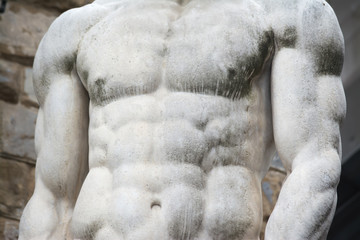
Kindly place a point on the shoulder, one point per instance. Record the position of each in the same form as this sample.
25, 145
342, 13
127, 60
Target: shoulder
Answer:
310, 26
56, 54
318, 23
321, 37
62, 38
303, 17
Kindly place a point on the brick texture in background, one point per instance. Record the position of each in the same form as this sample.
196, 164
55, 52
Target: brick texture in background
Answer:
22, 26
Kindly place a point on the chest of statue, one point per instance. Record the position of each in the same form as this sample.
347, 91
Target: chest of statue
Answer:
206, 48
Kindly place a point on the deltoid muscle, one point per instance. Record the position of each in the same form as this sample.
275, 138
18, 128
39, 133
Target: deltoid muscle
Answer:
158, 120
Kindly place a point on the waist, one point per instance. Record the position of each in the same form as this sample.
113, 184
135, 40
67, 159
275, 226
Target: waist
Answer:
180, 197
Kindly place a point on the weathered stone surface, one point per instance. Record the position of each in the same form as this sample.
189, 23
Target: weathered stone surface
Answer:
28, 97
9, 229
21, 28
271, 186
61, 5
16, 187
17, 126
11, 75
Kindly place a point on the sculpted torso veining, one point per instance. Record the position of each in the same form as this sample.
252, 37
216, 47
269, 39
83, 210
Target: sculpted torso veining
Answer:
180, 129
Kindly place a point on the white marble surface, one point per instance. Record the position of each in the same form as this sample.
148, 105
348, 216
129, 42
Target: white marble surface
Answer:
158, 119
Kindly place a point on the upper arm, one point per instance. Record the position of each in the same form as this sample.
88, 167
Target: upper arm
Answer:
307, 95
61, 131
60, 137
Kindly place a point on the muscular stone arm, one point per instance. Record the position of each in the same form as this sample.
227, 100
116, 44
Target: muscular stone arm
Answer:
61, 140
308, 105
61, 132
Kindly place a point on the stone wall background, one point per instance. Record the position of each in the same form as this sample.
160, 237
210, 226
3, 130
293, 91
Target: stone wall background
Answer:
22, 26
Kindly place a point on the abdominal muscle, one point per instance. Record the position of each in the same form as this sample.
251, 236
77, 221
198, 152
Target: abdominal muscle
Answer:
164, 179
145, 201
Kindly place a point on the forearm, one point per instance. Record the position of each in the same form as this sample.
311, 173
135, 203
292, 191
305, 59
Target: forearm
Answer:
45, 217
306, 203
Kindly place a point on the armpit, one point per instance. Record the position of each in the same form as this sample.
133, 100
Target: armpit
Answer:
288, 38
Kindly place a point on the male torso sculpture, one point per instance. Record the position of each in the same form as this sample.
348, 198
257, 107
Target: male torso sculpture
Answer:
159, 118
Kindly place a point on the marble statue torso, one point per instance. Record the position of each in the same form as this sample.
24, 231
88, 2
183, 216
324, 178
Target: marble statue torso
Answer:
175, 111
158, 118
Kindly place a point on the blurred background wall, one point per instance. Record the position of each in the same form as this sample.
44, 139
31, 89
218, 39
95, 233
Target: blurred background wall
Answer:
346, 224
22, 25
